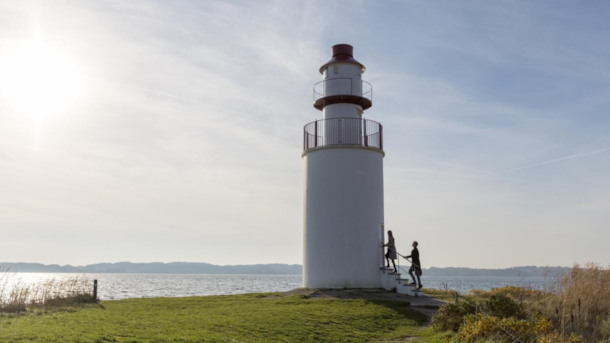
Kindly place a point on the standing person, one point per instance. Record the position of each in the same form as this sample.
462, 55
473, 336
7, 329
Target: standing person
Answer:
415, 265
391, 254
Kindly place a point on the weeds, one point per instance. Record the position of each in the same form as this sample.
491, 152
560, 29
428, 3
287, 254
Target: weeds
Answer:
573, 307
580, 302
16, 295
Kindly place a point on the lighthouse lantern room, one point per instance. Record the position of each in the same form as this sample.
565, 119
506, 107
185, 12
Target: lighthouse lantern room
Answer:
343, 187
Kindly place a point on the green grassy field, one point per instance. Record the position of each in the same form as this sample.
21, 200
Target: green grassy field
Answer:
236, 318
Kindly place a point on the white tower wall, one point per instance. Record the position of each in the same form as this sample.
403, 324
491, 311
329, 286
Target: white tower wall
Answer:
342, 79
343, 208
342, 111
347, 80
343, 198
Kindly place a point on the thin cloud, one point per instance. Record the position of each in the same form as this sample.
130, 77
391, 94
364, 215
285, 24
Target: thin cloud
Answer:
479, 171
553, 161
161, 93
435, 172
457, 166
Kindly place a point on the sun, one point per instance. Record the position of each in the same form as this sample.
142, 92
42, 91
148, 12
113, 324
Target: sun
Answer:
39, 79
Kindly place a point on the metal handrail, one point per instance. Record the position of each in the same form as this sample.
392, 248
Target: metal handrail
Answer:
368, 94
407, 260
369, 91
343, 131
398, 263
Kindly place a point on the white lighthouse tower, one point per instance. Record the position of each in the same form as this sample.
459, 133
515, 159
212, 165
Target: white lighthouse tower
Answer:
343, 202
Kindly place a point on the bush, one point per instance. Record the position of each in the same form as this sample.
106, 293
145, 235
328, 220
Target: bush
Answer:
503, 307
481, 326
576, 304
450, 316
554, 337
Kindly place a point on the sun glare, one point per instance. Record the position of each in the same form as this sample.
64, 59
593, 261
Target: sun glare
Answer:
38, 79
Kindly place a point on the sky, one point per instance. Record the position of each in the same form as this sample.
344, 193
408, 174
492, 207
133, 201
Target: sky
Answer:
172, 131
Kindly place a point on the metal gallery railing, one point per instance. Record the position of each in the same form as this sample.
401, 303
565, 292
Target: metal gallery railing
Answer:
342, 86
343, 131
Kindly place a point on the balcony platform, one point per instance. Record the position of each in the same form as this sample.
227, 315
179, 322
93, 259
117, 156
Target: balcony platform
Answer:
363, 102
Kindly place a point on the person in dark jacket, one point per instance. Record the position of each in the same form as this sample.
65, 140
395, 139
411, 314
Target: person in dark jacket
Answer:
415, 265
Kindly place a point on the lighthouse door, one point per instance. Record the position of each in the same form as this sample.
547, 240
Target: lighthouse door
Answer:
381, 243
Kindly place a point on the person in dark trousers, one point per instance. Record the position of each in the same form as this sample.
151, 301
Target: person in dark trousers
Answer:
391, 254
415, 265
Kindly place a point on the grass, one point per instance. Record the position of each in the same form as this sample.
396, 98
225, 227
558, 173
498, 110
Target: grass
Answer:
447, 295
235, 318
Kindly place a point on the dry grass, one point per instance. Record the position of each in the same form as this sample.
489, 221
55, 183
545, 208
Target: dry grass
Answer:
576, 305
16, 295
579, 302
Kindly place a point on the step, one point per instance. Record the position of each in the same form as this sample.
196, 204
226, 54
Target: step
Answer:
406, 281
402, 289
388, 279
408, 285
414, 288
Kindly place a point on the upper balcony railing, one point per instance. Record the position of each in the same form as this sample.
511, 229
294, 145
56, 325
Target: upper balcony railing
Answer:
343, 131
342, 90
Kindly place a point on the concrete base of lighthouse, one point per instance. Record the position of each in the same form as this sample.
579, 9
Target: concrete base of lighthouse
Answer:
343, 208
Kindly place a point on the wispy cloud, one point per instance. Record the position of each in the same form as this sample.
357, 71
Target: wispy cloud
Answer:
491, 174
553, 161
192, 131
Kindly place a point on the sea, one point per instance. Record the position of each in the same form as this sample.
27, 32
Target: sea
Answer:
126, 286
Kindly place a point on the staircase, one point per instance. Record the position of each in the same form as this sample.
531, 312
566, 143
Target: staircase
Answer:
391, 281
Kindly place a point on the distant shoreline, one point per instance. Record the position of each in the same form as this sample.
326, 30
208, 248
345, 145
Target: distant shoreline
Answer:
125, 273
174, 268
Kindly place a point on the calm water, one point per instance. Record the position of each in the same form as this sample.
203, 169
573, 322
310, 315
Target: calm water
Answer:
465, 283
122, 286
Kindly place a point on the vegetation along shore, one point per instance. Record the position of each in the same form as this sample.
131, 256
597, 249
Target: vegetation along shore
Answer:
571, 308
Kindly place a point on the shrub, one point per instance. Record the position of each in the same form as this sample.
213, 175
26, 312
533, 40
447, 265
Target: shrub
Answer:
481, 326
503, 307
576, 304
554, 337
451, 316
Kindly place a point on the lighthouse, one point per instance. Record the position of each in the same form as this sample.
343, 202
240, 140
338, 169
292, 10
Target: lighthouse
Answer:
343, 182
